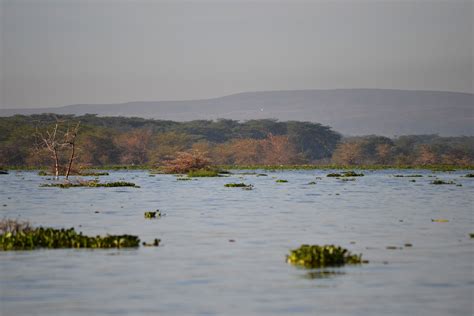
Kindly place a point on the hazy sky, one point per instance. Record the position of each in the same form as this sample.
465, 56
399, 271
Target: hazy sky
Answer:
97, 51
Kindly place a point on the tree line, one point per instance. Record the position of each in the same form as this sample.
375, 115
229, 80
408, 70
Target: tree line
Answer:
103, 141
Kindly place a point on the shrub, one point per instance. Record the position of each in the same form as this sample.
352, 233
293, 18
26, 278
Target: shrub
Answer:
185, 162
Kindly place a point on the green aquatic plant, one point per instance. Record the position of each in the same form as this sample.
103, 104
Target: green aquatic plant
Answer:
281, 181
352, 173
183, 179
442, 182
408, 176
92, 174
62, 238
315, 256
311, 183
469, 175
238, 185
333, 175
203, 173
90, 184
152, 214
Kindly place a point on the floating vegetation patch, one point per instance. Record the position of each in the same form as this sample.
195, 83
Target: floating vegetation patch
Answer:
238, 185
471, 235
62, 238
314, 256
152, 214
350, 173
92, 174
281, 181
408, 176
183, 179
203, 173
311, 183
90, 184
262, 175
437, 182
469, 175
440, 220
347, 179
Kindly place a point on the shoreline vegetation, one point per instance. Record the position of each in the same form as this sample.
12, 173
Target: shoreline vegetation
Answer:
69, 145
222, 168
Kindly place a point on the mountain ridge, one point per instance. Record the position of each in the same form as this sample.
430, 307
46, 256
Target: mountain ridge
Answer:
361, 111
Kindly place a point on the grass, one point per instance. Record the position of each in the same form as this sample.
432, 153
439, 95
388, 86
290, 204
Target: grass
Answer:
35, 238
90, 184
316, 256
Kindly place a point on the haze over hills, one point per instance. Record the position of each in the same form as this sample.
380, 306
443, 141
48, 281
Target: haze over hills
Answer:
349, 111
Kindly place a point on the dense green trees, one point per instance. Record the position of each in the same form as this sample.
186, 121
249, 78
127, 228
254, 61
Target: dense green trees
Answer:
138, 141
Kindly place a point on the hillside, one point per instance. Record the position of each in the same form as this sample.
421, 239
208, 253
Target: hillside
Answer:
350, 111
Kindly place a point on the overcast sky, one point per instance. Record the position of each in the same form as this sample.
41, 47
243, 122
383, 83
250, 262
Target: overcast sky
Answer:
61, 52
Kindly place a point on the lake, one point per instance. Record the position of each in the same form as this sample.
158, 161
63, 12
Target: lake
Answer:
223, 250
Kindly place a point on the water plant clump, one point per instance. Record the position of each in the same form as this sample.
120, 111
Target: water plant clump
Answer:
469, 175
183, 179
152, 214
442, 182
203, 173
350, 173
281, 181
238, 185
315, 256
408, 176
62, 238
90, 184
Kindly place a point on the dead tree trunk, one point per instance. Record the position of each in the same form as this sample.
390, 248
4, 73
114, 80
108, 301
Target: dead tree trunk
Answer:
70, 139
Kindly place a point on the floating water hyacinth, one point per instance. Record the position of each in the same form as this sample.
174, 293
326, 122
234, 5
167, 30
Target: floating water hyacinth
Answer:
238, 185
154, 214
315, 256
62, 238
90, 184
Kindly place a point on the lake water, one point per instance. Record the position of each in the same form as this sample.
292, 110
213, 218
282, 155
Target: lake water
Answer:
197, 270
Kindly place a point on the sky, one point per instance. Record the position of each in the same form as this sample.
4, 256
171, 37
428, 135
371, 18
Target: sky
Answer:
55, 53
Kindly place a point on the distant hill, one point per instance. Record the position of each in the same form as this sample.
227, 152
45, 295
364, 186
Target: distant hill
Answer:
349, 111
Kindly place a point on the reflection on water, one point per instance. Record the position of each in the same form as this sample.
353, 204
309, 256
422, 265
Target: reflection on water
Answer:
196, 270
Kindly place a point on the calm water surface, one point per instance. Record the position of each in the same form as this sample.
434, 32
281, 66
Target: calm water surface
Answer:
198, 271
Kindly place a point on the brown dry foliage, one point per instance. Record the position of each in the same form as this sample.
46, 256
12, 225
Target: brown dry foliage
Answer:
187, 161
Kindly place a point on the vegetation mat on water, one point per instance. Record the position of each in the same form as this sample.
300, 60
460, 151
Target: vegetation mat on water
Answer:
442, 182
203, 173
35, 238
237, 185
90, 184
315, 256
350, 173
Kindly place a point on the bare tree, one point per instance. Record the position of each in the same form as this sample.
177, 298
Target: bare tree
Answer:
49, 139
70, 139
55, 140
